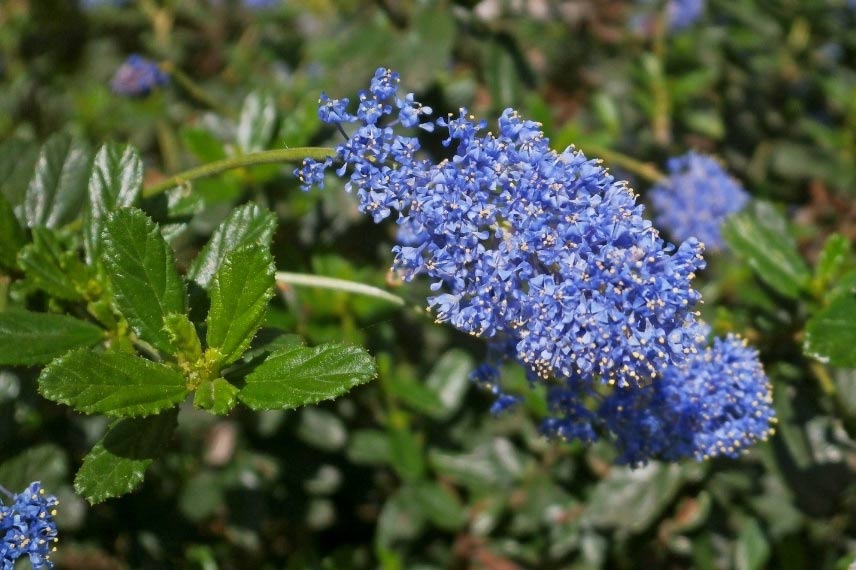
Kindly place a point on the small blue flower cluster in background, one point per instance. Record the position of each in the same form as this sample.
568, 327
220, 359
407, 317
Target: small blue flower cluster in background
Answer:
695, 199
684, 13
27, 527
137, 77
542, 253
679, 14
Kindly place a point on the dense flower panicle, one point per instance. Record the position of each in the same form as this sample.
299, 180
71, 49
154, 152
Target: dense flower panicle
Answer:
540, 251
696, 198
717, 403
27, 528
546, 256
138, 77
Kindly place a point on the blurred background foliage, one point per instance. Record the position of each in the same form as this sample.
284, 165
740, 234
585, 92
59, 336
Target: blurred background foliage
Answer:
412, 472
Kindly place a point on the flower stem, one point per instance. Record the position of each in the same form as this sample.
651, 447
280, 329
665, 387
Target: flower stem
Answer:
644, 169
244, 160
320, 282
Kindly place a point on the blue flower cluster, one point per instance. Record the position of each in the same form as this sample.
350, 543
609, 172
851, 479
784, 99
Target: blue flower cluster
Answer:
717, 403
27, 528
684, 13
542, 253
138, 77
679, 14
695, 199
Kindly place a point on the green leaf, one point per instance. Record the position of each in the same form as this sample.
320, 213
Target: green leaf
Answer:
142, 270
37, 338
58, 187
439, 505
751, 551
117, 464
183, 337
247, 224
833, 259
406, 451
12, 237
760, 235
202, 144
115, 182
369, 447
257, 123
46, 463
830, 335
297, 376
240, 291
449, 380
217, 396
17, 162
644, 492
50, 267
112, 383
322, 429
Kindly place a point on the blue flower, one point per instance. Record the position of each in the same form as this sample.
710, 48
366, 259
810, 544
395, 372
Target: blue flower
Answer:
138, 77
717, 403
680, 14
27, 528
684, 13
542, 253
696, 198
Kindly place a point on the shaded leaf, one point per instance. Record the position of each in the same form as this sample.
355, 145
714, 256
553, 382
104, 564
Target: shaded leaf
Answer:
830, 335
115, 182
115, 384
257, 123
296, 376
58, 187
751, 550
17, 161
369, 447
141, 266
46, 463
12, 237
760, 235
117, 464
449, 380
439, 505
37, 338
240, 291
246, 224
644, 492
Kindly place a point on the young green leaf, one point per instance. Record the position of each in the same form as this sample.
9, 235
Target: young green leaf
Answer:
58, 272
183, 337
830, 335
760, 235
297, 376
217, 396
117, 464
240, 291
115, 182
37, 338
112, 383
12, 237
246, 224
141, 266
57, 189
257, 123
